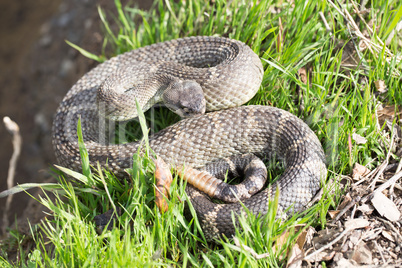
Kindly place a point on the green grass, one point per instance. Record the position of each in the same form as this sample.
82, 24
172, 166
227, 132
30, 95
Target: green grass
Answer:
334, 102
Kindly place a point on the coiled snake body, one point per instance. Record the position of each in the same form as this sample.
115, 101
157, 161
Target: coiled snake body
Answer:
229, 74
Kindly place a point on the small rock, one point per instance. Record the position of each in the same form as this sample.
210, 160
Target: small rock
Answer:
88, 23
45, 40
65, 19
40, 120
45, 28
66, 66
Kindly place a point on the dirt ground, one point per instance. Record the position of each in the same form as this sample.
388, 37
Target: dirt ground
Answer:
37, 68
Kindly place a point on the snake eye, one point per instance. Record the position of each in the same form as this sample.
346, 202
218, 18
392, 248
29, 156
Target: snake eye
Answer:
191, 112
186, 112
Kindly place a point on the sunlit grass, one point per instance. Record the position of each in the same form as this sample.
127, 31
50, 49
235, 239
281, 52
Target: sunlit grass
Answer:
334, 102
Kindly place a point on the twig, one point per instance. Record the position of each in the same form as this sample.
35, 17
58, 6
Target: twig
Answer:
380, 172
375, 49
399, 166
250, 250
345, 209
14, 130
308, 257
325, 23
395, 185
379, 250
351, 22
384, 164
373, 234
396, 232
171, 12
383, 186
352, 215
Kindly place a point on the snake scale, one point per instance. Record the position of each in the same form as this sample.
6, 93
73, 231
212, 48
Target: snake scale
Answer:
230, 74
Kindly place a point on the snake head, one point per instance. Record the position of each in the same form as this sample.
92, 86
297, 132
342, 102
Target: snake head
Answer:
185, 98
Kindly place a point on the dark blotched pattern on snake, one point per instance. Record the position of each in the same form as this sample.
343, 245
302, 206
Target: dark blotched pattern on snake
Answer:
229, 74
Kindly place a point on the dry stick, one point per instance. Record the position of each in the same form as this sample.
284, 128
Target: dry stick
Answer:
374, 234
383, 186
370, 44
396, 232
345, 209
368, 176
394, 185
361, 18
388, 183
308, 257
380, 172
374, 48
352, 215
250, 250
14, 130
351, 22
384, 164
374, 171
379, 250
325, 23
399, 166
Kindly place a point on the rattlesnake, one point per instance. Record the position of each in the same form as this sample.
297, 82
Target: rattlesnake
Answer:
230, 74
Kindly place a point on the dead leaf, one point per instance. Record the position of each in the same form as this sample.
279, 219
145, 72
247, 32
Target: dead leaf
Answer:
295, 258
163, 180
309, 236
303, 75
385, 207
365, 208
333, 213
380, 86
346, 200
362, 254
301, 238
284, 237
342, 262
357, 223
388, 113
321, 256
359, 171
358, 138
388, 235
355, 235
